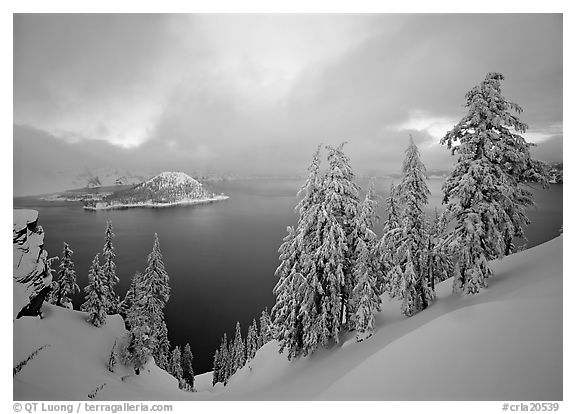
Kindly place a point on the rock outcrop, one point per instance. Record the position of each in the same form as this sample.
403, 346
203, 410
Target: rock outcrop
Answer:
30, 261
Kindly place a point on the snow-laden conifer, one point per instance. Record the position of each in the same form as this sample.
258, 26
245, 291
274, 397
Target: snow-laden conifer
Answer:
252, 340
109, 269
96, 299
175, 367
161, 351
66, 285
485, 195
365, 295
216, 368
187, 368
238, 350
414, 193
390, 271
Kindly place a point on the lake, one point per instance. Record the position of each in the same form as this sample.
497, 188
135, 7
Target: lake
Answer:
220, 257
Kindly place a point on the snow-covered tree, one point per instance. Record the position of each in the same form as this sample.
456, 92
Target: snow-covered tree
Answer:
390, 271
128, 300
414, 194
109, 269
365, 295
161, 351
66, 285
252, 340
95, 303
175, 367
336, 252
216, 368
187, 369
485, 195
145, 317
225, 360
155, 282
265, 326
439, 265
238, 350
411, 296
315, 277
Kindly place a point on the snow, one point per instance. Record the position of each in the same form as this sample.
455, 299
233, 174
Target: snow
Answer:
23, 217
502, 344
189, 201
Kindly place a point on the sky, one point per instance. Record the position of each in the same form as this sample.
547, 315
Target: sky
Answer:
228, 94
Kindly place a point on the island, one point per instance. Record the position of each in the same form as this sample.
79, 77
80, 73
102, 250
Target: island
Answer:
167, 189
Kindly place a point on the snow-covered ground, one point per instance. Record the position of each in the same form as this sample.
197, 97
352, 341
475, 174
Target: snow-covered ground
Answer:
503, 344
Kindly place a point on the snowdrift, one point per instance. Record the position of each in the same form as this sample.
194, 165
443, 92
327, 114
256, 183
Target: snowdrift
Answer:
503, 344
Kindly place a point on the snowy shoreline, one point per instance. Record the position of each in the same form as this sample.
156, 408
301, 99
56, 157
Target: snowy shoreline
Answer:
157, 205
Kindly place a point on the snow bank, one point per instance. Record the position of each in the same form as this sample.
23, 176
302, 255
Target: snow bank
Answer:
503, 344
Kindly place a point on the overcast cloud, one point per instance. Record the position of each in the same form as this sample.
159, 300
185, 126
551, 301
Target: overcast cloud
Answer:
255, 94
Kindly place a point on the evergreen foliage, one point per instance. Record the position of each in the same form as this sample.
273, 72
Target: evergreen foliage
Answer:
485, 195
365, 296
109, 269
238, 351
96, 299
187, 368
390, 271
414, 240
66, 285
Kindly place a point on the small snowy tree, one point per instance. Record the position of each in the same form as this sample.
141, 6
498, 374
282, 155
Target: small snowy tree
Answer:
161, 352
66, 285
176, 366
252, 340
265, 326
96, 303
485, 195
216, 368
439, 265
390, 271
109, 269
187, 369
239, 353
225, 360
365, 298
128, 300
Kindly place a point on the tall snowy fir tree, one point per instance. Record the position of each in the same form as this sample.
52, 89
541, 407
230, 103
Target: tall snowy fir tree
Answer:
315, 275
414, 193
225, 360
109, 269
390, 271
66, 285
238, 350
336, 251
365, 295
95, 301
187, 368
265, 326
485, 195
151, 292
291, 287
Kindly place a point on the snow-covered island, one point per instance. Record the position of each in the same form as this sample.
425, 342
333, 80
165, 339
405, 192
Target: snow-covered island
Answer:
167, 189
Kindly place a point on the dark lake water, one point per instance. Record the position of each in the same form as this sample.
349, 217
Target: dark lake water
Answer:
220, 257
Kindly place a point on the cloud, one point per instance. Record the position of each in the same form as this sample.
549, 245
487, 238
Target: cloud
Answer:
255, 94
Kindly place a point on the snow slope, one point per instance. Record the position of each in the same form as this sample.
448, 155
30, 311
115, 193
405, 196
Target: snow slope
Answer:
503, 344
